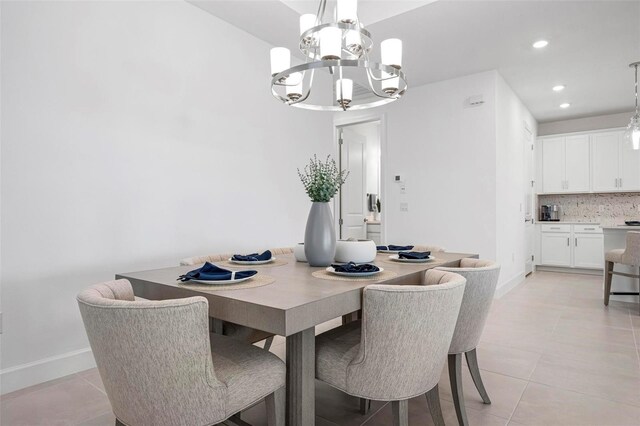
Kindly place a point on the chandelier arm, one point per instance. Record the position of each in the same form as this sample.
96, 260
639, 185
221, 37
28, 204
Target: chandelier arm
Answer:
321, 9
307, 93
375, 92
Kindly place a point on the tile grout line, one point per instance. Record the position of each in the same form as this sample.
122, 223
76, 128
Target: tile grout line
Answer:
519, 400
87, 381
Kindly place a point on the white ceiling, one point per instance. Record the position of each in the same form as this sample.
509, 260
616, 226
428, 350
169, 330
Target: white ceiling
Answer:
590, 46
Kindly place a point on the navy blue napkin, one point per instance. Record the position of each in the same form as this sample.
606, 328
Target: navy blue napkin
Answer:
391, 247
210, 272
416, 255
352, 268
253, 257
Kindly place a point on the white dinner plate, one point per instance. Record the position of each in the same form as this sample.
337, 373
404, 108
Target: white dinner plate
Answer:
397, 259
353, 274
251, 262
219, 282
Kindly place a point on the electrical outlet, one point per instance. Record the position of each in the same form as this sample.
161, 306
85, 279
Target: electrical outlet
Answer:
404, 207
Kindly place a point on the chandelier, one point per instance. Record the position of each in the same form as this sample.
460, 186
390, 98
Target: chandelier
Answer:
632, 134
337, 54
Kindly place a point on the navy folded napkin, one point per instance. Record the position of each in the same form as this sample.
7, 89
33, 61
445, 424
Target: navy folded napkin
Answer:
253, 257
391, 247
416, 255
210, 272
352, 268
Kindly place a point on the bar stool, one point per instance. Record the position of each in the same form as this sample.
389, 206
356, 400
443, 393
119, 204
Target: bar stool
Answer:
627, 256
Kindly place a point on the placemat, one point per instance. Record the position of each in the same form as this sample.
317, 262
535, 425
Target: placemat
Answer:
257, 280
323, 274
395, 262
278, 262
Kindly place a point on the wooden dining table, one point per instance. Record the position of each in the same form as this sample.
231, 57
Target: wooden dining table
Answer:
292, 306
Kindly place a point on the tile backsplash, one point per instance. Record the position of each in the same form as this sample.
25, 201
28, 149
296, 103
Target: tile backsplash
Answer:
608, 209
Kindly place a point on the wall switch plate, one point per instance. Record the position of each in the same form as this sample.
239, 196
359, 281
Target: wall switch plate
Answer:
403, 189
404, 207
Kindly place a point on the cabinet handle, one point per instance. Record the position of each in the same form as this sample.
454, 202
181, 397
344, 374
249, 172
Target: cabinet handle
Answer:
589, 229
620, 182
568, 241
576, 242
555, 227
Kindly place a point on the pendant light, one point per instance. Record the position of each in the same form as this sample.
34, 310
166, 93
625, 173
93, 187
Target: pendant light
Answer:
632, 134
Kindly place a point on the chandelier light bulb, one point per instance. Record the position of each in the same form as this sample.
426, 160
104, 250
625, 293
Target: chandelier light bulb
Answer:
347, 11
280, 60
330, 43
294, 86
344, 91
391, 52
307, 21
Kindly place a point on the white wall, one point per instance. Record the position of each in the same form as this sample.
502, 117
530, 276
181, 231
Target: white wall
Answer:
599, 122
447, 153
133, 134
511, 118
464, 169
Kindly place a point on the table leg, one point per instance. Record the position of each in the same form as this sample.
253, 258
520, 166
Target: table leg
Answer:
301, 358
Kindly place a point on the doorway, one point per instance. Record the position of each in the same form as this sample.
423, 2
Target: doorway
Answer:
529, 201
359, 200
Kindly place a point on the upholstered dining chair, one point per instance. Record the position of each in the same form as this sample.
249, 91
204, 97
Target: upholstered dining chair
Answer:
398, 349
630, 256
482, 278
432, 249
236, 331
161, 366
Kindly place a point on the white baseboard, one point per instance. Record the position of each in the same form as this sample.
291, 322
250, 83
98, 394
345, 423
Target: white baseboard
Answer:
569, 270
33, 373
506, 287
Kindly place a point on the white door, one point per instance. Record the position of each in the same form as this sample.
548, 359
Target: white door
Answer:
577, 163
553, 165
555, 249
604, 170
629, 167
588, 251
529, 228
353, 196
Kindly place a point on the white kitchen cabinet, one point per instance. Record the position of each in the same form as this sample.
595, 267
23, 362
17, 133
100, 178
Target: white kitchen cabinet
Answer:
588, 251
606, 157
629, 167
571, 245
577, 165
373, 232
565, 164
553, 165
555, 249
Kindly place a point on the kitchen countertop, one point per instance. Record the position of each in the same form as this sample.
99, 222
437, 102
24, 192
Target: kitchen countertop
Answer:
622, 227
566, 222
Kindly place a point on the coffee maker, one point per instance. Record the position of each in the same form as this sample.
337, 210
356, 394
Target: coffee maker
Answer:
550, 213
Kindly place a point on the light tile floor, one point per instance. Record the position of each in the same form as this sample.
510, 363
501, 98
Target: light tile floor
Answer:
551, 354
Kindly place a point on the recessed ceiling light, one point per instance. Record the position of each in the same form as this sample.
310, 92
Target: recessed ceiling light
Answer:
540, 44
565, 105
558, 88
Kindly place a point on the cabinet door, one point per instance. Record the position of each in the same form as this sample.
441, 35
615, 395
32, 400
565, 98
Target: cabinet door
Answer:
577, 154
604, 169
588, 251
629, 166
553, 165
555, 249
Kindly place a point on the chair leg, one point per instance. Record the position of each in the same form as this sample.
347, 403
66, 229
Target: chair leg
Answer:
433, 402
365, 406
455, 378
275, 403
267, 343
608, 276
472, 362
400, 411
